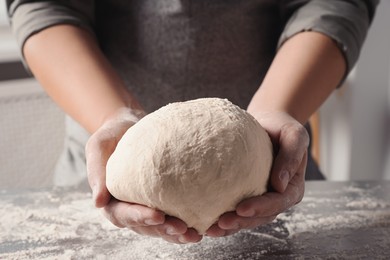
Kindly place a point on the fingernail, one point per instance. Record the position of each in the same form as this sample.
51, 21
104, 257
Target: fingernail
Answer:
248, 213
284, 178
182, 239
234, 226
171, 231
94, 192
151, 222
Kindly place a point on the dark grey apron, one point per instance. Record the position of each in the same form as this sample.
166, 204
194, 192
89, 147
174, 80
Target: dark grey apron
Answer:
176, 50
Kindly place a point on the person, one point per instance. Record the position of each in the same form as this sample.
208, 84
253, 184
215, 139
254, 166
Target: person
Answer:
108, 63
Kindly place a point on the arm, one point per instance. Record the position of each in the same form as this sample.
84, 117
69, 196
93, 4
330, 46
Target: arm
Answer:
296, 91
319, 46
303, 74
51, 34
315, 56
84, 84
71, 68
66, 60
285, 100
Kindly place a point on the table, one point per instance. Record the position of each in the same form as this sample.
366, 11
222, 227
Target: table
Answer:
335, 220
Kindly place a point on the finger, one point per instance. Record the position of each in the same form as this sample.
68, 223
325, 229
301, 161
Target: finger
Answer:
189, 235
239, 223
98, 150
231, 232
172, 227
216, 231
124, 214
232, 221
274, 203
293, 144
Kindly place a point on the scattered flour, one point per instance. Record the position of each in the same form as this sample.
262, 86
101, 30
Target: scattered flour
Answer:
65, 225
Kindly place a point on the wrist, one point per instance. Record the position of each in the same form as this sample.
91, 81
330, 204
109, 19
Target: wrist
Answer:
303, 74
123, 115
277, 121
262, 110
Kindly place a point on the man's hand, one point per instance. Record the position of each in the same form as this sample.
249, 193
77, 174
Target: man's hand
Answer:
139, 218
306, 69
290, 140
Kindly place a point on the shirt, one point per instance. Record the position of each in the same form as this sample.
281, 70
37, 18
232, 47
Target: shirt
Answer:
176, 50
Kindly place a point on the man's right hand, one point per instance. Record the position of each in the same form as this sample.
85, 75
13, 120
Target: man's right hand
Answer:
139, 218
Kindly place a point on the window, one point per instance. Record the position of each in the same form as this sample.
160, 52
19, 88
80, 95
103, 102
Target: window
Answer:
3, 15
10, 64
8, 47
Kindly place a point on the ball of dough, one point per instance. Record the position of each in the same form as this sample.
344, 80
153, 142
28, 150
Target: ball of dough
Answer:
194, 160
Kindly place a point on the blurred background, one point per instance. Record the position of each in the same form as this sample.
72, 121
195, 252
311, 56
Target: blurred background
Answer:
31, 125
352, 129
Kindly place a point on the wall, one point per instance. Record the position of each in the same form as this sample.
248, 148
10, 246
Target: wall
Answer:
31, 125
354, 134
355, 120
31, 135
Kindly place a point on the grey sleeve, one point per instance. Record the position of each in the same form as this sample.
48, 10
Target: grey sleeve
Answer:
29, 17
345, 21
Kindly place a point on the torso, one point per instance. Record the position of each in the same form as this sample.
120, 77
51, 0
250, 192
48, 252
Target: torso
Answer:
176, 50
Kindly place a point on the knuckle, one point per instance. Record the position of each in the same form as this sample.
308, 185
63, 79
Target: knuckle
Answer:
110, 216
296, 133
99, 141
90, 144
172, 239
145, 231
298, 194
300, 198
136, 230
272, 218
232, 232
114, 213
132, 223
160, 231
293, 164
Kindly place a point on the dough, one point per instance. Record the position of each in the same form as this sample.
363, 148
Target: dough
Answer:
194, 160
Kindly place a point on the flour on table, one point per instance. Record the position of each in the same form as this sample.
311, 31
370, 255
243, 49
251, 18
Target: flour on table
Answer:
65, 225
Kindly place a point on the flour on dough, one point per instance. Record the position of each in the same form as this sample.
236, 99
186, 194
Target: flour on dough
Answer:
194, 160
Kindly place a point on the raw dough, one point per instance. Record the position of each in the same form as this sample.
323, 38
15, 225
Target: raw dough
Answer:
194, 160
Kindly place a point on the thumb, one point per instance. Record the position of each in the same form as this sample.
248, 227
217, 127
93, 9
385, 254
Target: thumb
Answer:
291, 158
101, 145
281, 178
97, 153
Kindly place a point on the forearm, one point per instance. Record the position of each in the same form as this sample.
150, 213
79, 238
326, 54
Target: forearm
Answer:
307, 68
68, 63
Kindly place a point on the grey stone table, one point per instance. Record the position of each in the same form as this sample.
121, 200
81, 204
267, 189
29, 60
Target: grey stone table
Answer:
335, 220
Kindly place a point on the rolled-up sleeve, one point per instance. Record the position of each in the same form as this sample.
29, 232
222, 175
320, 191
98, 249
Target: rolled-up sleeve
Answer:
345, 21
29, 17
